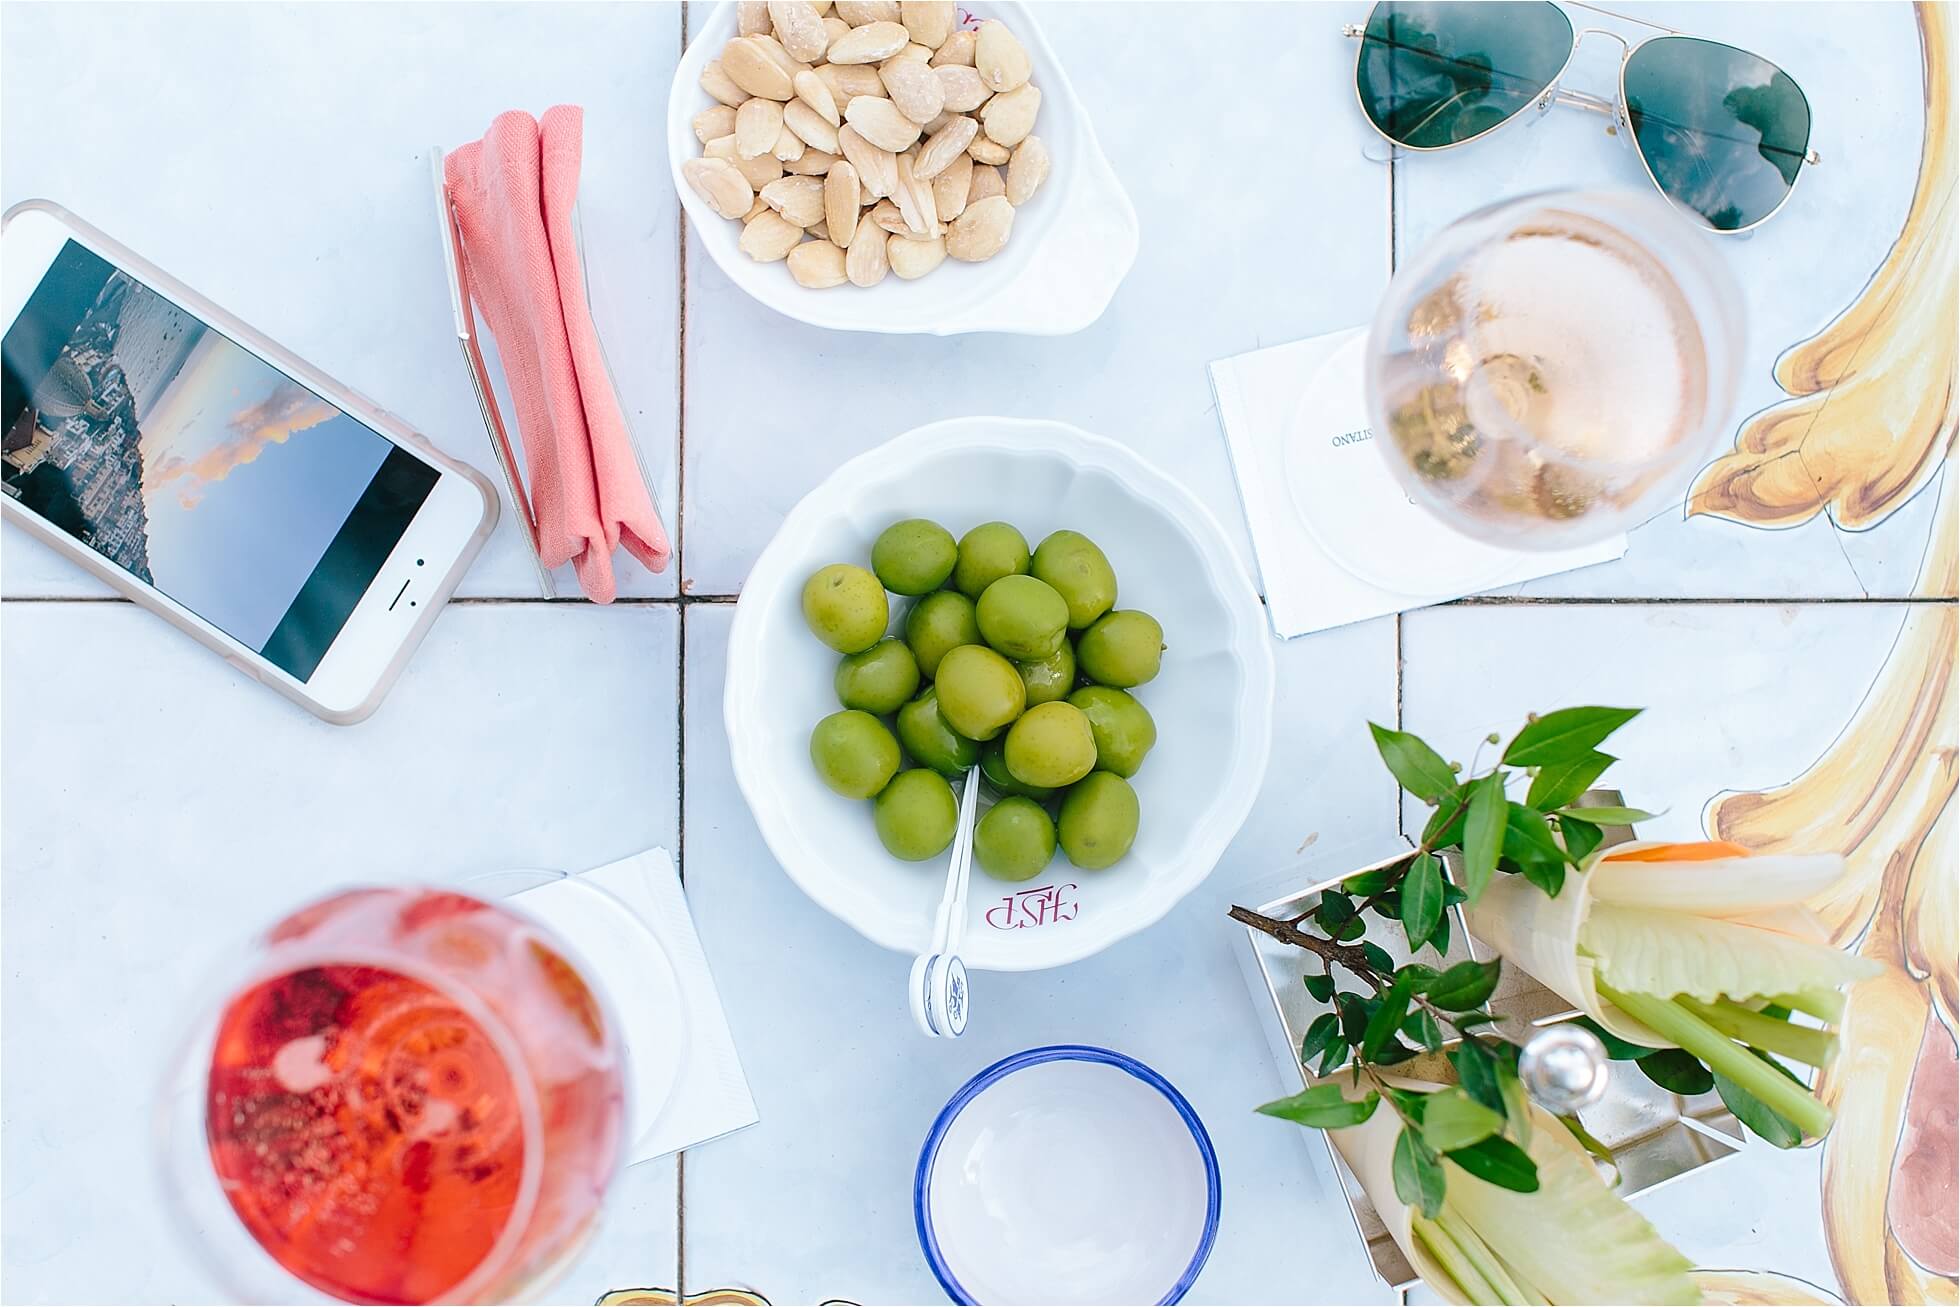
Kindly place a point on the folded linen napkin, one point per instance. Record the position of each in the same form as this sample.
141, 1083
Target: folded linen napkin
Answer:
513, 193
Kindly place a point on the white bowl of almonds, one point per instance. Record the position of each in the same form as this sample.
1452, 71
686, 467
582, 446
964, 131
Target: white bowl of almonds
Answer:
872, 165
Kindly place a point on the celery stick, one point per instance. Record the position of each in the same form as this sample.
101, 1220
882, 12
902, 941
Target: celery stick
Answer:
1469, 1284
1777, 1091
1824, 1004
1806, 1044
1488, 1264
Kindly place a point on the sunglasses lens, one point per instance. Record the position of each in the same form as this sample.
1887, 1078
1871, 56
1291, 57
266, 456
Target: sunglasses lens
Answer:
1438, 74
1723, 131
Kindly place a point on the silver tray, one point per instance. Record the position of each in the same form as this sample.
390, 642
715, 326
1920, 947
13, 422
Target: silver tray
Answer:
1653, 1136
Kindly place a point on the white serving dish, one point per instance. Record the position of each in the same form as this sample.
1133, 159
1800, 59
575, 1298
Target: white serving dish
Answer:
1072, 243
1067, 1174
1212, 700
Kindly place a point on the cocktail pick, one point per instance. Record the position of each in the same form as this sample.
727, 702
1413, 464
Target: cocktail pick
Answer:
939, 996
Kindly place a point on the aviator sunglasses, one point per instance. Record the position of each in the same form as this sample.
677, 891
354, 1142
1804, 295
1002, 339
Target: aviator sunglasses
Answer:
1722, 132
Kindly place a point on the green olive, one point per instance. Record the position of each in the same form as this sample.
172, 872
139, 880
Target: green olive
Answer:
914, 557
1051, 746
915, 815
846, 607
1123, 727
1022, 618
987, 553
1051, 678
940, 621
980, 693
1015, 840
993, 767
1099, 820
1070, 562
854, 753
922, 729
878, 679
1123, 648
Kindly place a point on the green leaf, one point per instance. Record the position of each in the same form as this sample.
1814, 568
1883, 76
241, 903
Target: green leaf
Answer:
1377, 956
1385, 1020
1559, 783
1517, 1106
1422, 1028
1476, 1071
1351, 929
1326, 1028
1418, 974
1483, 833
1392, 1052
1464, 986
1761, 1119
1321, 986
1619, 1050
1444, 828
1355, 1011
1564, 735
1609, 816
1337, 1052
1547, 876
1455, 1120
1418, 1172
1677, 1071
1323, 1107
1500, 1162
1440, 941
1364, 883
1528, 837
1334, 910
1422, 899
1581, 838
1419, 768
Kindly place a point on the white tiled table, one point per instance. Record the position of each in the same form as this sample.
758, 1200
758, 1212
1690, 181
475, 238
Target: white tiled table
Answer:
158, 806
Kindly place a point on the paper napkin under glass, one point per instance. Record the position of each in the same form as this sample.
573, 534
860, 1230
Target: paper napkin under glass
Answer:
1260, 398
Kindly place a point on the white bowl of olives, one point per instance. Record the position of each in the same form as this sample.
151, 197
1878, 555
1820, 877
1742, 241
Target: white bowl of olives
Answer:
1023, 597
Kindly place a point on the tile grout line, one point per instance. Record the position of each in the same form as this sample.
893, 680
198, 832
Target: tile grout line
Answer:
680, 653
1395, 793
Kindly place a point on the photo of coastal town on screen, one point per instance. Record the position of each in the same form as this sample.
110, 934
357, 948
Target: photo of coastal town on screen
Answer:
194, 465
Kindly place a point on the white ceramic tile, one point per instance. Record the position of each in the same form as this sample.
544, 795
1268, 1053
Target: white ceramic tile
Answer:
1859, 65
1736, 697
276, 157
847, 1088
1257, 227
160, 807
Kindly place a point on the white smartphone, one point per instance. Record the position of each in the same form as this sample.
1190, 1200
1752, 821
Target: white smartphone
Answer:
307, 536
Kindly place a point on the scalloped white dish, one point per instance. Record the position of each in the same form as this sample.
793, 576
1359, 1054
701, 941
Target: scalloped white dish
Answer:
1072, 243
1212, 700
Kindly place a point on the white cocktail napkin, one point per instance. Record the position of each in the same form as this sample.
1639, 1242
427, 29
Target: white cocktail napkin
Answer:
1336, 539
688, 1085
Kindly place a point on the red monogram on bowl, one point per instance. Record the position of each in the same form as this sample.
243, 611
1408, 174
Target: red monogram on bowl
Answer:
1034, 907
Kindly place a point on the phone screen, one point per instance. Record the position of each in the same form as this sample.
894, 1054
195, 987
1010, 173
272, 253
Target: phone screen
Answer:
196, 466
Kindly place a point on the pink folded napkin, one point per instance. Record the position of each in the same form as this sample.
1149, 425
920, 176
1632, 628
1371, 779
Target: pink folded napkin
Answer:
513, 193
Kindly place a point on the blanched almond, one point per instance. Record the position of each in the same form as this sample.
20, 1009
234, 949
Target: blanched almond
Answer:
957, 52
987, 150
817, 264
821, 231
840, 202
914, 198
750, 67
798, 199
848, 81
881, 123
716, 120
814, 163
782, 58
754, 209
865, 264
981, 231
877, 169
1026, 170
912, 259
751, 16
833, 27
769, 237
914, 88
716, 82
870, 44
961, 90
757, 125
1002, 61
986, 181
949, 188
758, 172
809, 125
1009, 116
799, 28
947, 144
929, 21
813, 91
885, 215
789, 146
859, 12
717, 181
